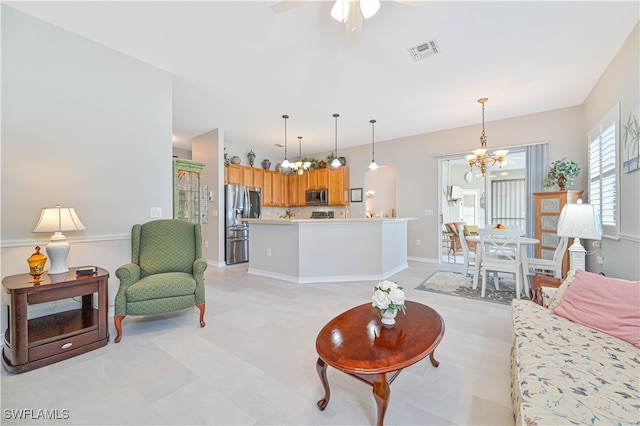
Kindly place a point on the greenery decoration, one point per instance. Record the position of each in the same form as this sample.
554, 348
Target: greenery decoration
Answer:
561, 170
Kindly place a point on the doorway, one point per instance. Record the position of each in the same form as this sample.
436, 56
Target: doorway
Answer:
467, 196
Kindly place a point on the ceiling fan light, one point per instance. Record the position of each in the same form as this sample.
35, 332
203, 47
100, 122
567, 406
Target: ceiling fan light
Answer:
340, 10
369, 8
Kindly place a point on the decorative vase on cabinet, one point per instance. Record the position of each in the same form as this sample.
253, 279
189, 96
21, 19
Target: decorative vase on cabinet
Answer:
188, 201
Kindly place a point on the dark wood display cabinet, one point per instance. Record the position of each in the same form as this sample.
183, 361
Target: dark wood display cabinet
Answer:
34, 343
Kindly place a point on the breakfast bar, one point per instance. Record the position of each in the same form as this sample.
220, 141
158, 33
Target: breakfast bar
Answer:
331, 250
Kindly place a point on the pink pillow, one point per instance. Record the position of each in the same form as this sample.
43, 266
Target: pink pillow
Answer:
606, 304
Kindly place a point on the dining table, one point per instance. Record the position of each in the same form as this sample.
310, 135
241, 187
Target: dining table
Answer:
523, 256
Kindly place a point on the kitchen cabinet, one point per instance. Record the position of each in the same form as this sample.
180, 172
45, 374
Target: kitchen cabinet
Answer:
188, 202
548, 206
280, 189
247, 176
233, 174
338, 186
297, 187
258, 178
267, 189
318, 179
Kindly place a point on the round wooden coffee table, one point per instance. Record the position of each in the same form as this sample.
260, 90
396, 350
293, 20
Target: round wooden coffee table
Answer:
357, 343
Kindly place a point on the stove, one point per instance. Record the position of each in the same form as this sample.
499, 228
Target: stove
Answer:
321, 215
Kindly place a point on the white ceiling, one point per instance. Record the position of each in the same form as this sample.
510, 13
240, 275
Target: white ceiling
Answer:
239, 66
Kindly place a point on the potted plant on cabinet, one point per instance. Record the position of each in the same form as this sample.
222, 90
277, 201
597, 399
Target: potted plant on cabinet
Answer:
561, 173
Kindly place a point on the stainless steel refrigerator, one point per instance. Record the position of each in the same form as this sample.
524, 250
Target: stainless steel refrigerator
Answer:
240, 202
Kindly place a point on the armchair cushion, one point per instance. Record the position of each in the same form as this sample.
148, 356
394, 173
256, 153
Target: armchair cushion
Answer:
159, 286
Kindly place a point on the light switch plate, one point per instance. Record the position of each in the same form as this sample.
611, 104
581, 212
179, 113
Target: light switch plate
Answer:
156, 211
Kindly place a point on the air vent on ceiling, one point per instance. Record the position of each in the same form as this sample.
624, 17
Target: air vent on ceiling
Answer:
424, 50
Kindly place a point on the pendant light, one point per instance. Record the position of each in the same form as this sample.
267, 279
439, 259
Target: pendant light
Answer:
336, 162
285, 163
373, 164
481, 157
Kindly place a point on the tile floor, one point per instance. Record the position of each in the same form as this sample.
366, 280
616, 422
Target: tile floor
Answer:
254, 363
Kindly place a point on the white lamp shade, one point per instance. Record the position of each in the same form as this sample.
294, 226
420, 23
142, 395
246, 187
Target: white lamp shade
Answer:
57, 219
580, 221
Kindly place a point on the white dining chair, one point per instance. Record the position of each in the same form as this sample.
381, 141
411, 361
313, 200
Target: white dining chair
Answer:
500, 251
547, 266
469, 255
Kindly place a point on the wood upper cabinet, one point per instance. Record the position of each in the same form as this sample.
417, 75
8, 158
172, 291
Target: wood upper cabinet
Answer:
297, 187
234, 174
267, 189
318, 179
280, 189
339, 186
258, 178
548, 206
247, 176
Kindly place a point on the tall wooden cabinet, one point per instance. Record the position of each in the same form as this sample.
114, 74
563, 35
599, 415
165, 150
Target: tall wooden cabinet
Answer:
548, 206
188, 203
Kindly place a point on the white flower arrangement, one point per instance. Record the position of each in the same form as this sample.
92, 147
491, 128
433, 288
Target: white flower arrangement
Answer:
387, 296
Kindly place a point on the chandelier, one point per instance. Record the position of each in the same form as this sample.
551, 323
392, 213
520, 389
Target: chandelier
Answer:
481, 157
300, 165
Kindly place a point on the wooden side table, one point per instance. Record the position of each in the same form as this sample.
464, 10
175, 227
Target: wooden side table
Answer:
536, 282
34, 343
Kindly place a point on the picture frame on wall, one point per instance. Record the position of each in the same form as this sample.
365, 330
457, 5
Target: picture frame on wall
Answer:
631, 141
356, 195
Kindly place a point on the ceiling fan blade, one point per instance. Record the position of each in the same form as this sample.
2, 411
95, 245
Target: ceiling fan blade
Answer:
286, 5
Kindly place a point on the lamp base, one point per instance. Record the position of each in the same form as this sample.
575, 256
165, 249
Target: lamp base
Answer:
577, 255
58, 250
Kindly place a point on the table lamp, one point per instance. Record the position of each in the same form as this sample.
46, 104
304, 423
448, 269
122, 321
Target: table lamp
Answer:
57, 219
579, 221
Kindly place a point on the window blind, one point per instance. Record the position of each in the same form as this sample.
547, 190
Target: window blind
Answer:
603, 171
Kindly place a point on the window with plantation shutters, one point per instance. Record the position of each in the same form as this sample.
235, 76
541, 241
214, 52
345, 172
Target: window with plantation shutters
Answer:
603, 171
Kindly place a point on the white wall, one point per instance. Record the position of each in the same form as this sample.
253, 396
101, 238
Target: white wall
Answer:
83, 126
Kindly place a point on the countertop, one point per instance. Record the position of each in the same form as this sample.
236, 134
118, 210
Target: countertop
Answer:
327, 221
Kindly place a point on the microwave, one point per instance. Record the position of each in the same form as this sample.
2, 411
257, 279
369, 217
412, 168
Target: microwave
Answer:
316, 197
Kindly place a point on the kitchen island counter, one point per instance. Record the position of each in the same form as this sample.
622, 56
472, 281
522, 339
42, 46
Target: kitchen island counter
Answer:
327, 250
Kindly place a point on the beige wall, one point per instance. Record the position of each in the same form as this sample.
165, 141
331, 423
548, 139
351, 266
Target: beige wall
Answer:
619, 83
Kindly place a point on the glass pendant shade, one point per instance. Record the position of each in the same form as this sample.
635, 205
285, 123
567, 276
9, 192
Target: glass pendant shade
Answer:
336, 162
373, 164
285, 163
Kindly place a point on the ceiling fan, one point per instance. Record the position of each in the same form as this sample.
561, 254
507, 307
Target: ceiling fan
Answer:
348, 12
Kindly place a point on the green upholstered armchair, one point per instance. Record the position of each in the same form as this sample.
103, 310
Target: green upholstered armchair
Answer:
166, 272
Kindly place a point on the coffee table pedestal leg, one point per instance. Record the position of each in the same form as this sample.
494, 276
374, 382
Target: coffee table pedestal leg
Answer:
381, 393
321, 368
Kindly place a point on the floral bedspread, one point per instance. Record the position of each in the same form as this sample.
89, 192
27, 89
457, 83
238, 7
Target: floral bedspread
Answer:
565, 373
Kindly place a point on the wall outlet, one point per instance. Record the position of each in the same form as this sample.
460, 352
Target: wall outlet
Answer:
156, 212
428, 212
418, 242
268, 252
600, 260
206, 244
